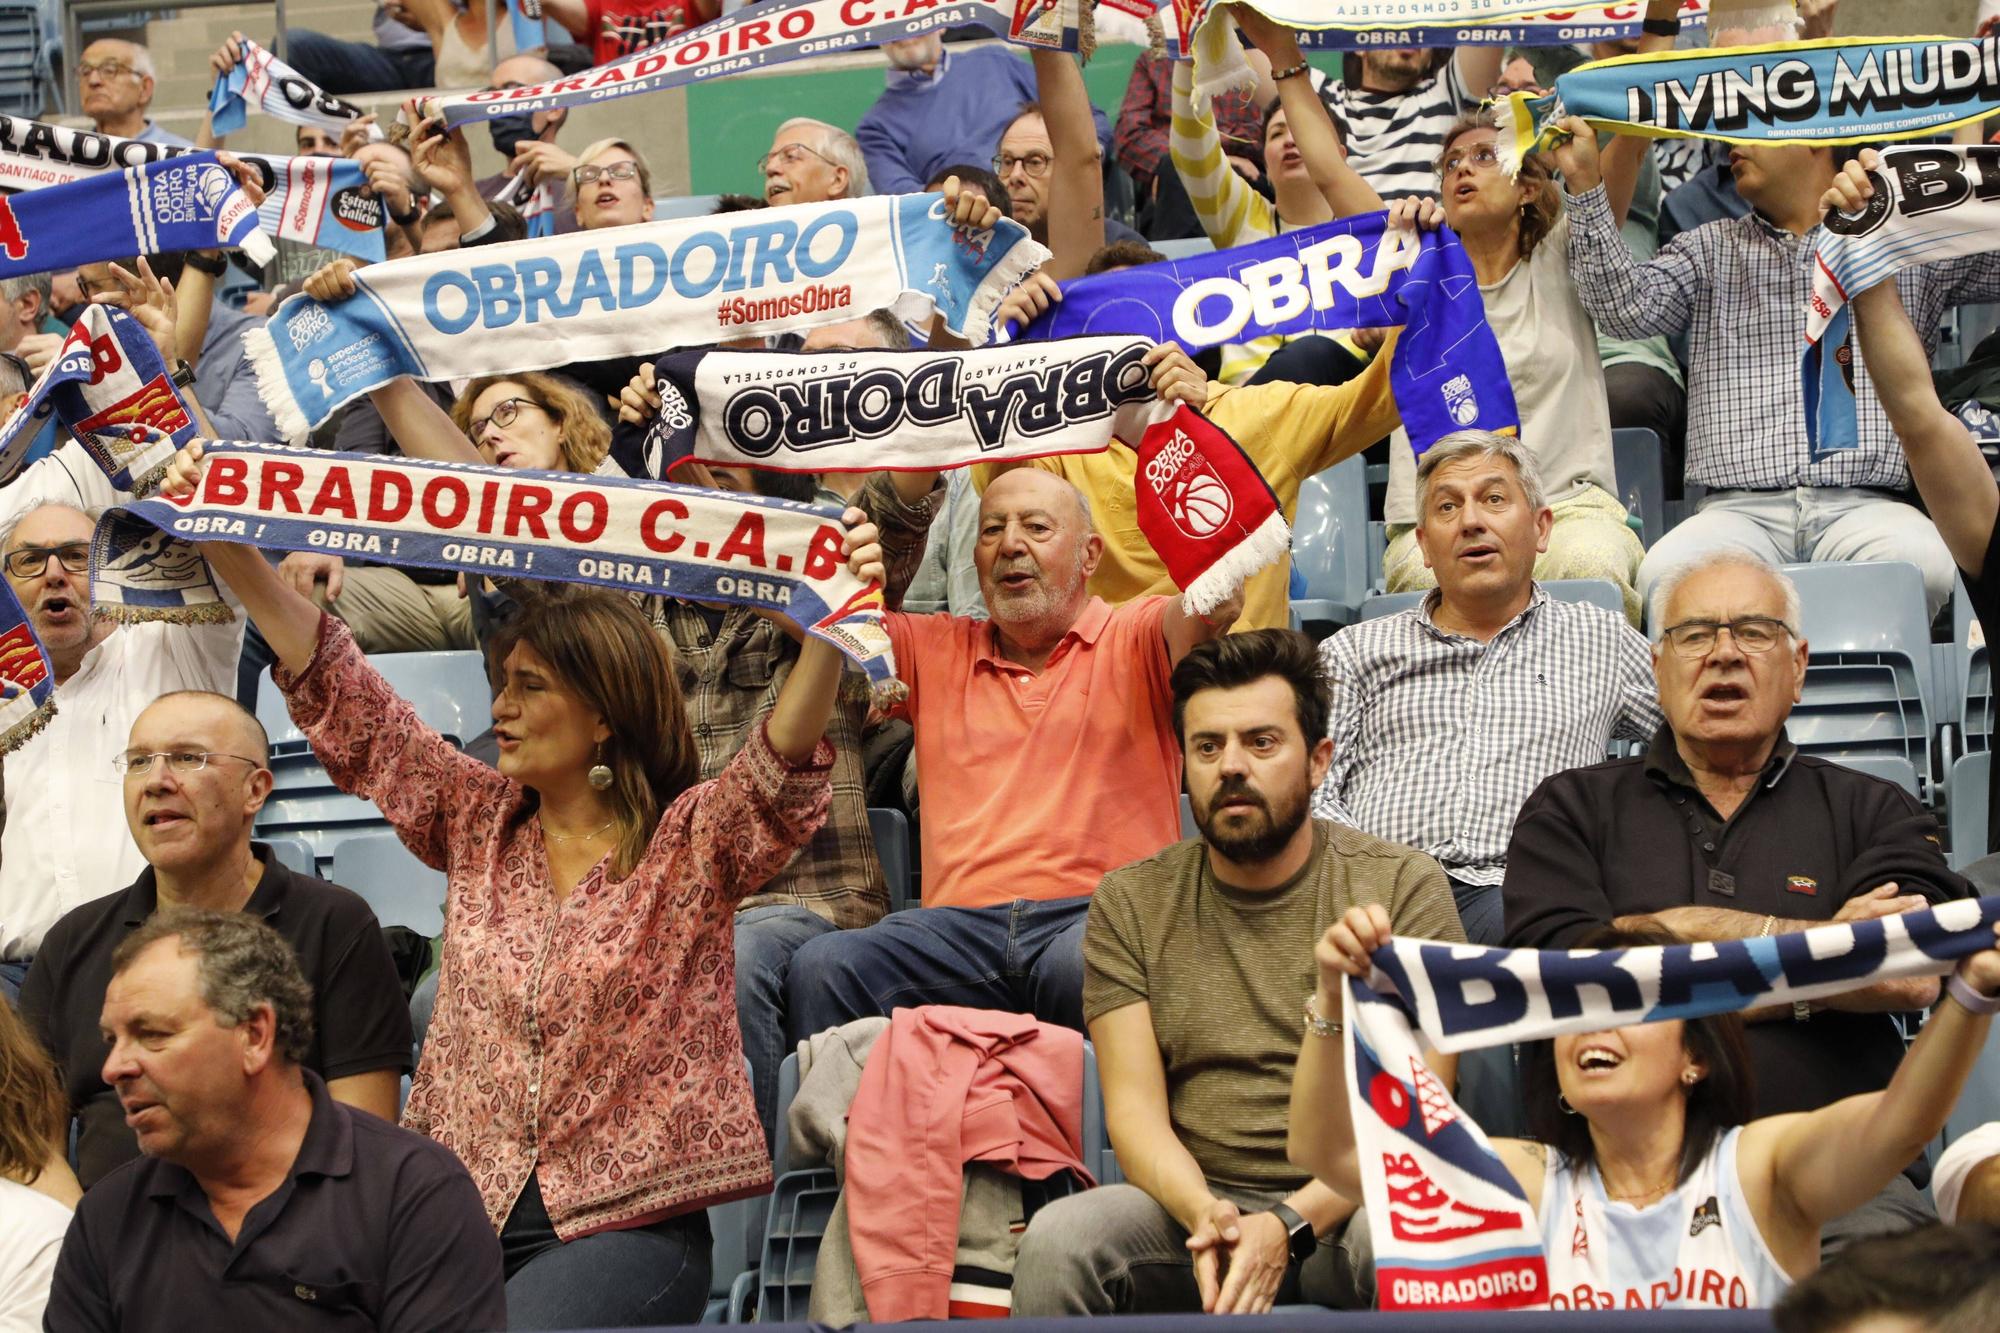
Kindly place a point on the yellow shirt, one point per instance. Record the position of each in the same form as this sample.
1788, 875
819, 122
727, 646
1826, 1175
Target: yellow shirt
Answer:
1290, 431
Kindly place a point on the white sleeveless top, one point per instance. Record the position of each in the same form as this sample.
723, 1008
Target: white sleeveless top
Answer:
1698, 1248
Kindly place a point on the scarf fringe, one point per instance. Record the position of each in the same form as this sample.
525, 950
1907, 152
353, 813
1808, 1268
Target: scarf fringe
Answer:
1258, 549
1009, 273
1514, 119
199, 613
1086, 30
27, 728
1156, 36
272, 386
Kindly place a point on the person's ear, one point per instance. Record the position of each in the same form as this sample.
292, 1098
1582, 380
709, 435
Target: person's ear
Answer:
259, 1034
1093, 554
1319, 761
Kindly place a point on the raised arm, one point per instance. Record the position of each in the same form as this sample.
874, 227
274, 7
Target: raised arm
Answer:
1229, 210
1624, 298
1076, 179
1346, 194
1818, 1165
798, 719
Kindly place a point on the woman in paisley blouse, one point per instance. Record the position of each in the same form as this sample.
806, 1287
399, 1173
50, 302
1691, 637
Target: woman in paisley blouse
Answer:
584, 1060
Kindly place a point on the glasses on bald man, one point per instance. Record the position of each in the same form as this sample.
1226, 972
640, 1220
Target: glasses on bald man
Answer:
1753, 634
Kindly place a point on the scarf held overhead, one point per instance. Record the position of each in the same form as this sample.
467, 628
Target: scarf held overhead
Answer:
1452, 1229
773, 34
277, 90
611, 532
27, 682
312, 200
1446, 370
109, 386
1930, 203
186, 203
1840, 91
627, 291
1201, 502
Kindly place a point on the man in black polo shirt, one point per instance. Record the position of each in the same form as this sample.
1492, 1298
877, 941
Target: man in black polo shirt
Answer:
260, 1202
1722, 830
195, 780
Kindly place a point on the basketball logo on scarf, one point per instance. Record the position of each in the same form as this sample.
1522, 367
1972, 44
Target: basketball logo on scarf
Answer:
1182, 480
1205, 508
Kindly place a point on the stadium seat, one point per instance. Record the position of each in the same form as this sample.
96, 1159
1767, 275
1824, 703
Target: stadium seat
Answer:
1597, 592
1183, 248
402, 890
449, 690
294, 854
1642, 487
1869, 685
685, 206
738, 1231
891, 831
1887, 767
1330, 547
21, 63
1965, 797
1975, 674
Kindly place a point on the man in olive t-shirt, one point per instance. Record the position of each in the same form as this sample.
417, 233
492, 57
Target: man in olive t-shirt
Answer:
1198, 962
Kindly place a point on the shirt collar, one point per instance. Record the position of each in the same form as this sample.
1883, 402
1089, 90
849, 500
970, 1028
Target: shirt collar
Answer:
915, 78
142, 899
327, 1149
1664, 762
1089, 623
1427, 613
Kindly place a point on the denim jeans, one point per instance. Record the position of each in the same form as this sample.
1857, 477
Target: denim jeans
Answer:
766, 939
635, 1278
1480, 912
357, 67
11, 977
1022, 956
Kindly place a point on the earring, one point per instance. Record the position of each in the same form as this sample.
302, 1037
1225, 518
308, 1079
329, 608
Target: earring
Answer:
1689, 1078
1563, 1103
599, 776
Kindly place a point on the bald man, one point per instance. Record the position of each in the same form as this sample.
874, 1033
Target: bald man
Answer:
1045, 757
117, 80
194, 777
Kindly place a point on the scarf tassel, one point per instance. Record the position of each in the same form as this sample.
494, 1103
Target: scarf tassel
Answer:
1263, 546
20, 733
198, 613
269, 368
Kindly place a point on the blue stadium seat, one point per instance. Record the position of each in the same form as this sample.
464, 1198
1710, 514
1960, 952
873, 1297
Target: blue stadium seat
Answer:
402, 890
1975, 674
1597, 592
685, 206
738, 1229
22, 67
449, 690
293, 853
1965, 797
1888, 767
891, 831
1330, 547
1870, 682
1184, 248
1642, 486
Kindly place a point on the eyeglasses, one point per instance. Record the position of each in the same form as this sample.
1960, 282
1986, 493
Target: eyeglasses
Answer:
29, 561
110, 69
502, 415
1035, 164
791, 155
616, 171
133, 764
1753, 634
1483, 158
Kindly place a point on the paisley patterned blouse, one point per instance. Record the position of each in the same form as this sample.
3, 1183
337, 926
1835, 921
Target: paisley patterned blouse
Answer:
591, 1041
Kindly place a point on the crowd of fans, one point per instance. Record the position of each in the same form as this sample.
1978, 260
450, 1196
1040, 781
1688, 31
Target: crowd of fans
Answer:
661, 878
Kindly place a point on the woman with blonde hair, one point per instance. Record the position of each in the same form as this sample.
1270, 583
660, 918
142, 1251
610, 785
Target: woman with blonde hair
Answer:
36, 1186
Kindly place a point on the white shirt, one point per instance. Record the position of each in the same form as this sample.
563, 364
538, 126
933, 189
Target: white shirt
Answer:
66, 841
32, 1226
1967, 1151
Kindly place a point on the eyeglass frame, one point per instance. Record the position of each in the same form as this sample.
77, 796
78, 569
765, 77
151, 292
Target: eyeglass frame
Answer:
1451, 162
110, 69
790, 153
608, 171
1717, 626
123, 765
41, 566
1001, 168
475, 430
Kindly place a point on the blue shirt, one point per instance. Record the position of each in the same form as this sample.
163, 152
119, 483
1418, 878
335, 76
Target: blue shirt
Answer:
224, 383
153, 133
924, 123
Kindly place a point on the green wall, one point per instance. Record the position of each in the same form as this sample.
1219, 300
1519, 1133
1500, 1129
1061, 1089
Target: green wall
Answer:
730, 121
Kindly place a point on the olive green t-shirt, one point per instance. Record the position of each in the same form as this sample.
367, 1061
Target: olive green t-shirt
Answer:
1227, 972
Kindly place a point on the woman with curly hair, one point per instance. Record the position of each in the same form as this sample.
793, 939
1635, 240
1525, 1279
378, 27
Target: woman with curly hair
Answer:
36, 1185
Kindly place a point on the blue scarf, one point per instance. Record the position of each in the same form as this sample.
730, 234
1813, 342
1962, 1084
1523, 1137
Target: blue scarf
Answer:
110, 388
278, 91
27, 682
1446, 371
183, 203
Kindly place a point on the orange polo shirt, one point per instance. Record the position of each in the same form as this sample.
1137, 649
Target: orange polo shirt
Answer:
1036, 784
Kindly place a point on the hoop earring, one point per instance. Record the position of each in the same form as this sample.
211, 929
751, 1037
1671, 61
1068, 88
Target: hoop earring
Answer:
1562, 1103
599, 777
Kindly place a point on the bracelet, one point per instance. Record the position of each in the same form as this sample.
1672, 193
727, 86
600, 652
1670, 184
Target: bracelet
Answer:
1959, 989
201, 261
1661, 27
183, 375
1316, 1025
1280, 75
404, 219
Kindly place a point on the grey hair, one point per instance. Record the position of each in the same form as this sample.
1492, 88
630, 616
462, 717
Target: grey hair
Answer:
13, 289
839, 148
91, 512
895, 336
1461, 444
1722, 557
241, 963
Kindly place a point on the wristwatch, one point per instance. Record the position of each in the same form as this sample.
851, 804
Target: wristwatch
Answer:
183, 375
1302, 1242
404, 219
206, 262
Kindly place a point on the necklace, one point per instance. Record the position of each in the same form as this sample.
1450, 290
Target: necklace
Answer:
1656, 1192
548, 832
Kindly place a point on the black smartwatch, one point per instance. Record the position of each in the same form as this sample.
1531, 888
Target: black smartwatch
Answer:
1302, 1242
213, 265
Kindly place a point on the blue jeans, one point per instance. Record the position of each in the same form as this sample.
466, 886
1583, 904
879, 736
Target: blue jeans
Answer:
357, 67
1022, 956
11, 977
1480, 911
635, 1278
766, 939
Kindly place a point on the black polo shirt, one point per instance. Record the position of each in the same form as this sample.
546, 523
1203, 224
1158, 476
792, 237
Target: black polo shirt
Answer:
374, 1227
361, 1022
1984, 591
1635, 836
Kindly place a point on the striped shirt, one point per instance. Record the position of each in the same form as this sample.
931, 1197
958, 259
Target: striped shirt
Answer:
1438, 738
1738, 288
1394, 139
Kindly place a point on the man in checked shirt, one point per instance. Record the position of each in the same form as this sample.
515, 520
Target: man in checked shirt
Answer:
1447, 715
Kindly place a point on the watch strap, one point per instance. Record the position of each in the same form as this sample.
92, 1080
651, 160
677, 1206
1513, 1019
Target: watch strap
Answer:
1302, 1242
213, 265
183, 375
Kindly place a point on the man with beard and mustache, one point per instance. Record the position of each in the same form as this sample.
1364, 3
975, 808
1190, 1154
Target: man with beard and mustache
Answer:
1195, 964
64, 839
1446, 715
1043, 760
1395, 106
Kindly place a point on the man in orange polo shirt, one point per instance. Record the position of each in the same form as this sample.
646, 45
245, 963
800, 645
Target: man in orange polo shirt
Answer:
1045, 757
